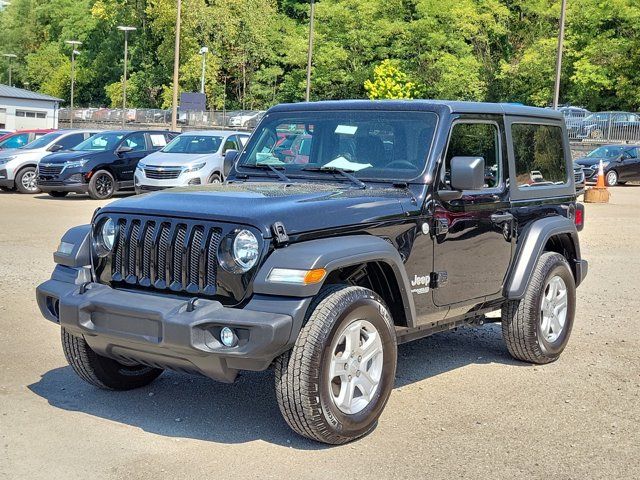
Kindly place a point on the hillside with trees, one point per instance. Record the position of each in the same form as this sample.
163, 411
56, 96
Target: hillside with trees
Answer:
495, 50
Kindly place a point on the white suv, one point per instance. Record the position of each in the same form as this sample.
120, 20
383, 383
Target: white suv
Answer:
193, 158
18, 166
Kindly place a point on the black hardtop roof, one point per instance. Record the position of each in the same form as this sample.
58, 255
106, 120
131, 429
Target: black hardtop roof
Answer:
424, 105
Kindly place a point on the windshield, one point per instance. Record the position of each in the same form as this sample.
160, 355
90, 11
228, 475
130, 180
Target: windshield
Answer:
606, 152
194, 144
100, 142
372, 144
41, 142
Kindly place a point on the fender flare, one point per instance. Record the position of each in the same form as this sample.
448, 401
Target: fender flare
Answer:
332, 254
80, 254
531, 246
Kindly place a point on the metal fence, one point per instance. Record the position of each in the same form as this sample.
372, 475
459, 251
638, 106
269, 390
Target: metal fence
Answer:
602, 127
243, 119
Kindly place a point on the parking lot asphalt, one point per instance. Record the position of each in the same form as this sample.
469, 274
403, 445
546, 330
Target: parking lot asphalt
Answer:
461, 408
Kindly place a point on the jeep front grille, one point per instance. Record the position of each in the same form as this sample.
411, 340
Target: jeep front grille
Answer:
166, 254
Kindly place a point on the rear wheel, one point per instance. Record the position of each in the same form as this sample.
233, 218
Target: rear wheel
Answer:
536, 328
335, 382
101, 185
26, 180
104, 372
58, 194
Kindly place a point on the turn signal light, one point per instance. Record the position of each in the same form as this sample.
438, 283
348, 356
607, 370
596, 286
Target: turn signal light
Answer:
298, 277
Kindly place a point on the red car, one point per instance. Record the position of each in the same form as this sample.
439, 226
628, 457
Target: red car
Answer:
20, 138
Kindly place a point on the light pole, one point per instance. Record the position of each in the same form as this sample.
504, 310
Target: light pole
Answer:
556, 90
310, 50
126, 31
203, 52
10, 56
74, 52
176, 71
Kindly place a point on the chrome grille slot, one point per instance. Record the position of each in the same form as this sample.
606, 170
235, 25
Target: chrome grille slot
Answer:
162, 173
175, 255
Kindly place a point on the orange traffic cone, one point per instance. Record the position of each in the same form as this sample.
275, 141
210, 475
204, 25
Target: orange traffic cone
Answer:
599, 193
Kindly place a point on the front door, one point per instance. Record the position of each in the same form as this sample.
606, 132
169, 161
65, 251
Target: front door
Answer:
129, 160
472, 234
630, 169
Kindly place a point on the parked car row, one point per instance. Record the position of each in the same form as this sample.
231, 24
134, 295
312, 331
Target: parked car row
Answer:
101, 163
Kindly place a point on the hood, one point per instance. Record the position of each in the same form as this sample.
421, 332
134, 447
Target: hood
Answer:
67, 156
24, 154
591, 161
301, 207
176, 159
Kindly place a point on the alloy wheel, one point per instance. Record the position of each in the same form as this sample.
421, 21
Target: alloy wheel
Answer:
355, 366
553, 309
104, 185
29, 181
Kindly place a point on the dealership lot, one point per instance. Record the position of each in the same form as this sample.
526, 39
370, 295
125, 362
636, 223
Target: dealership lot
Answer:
461, 407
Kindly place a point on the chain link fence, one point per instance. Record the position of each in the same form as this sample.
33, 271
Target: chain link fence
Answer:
237, 119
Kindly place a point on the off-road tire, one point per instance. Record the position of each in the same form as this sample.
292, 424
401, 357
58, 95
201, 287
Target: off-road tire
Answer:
95, 192
58, 194
300, 374
104, 372
521, 318
21, 173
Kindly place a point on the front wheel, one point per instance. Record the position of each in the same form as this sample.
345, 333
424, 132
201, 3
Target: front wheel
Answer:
536, 328
102, 185
26, 181
104, 372
335, 382
612, 178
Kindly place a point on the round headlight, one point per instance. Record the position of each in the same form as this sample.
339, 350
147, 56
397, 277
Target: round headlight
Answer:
245, 250
106, 237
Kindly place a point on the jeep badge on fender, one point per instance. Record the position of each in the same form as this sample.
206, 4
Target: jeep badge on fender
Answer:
395, 220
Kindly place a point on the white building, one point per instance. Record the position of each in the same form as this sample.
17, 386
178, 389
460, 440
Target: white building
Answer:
24, 110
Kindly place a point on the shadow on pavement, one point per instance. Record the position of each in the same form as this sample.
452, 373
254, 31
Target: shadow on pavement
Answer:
194, 407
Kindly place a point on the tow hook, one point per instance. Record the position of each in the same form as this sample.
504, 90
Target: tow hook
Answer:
191, 304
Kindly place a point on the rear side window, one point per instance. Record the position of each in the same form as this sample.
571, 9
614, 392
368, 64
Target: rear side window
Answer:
16, 141
71, 141
539, 155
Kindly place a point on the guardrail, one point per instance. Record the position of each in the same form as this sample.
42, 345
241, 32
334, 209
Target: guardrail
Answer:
603, 127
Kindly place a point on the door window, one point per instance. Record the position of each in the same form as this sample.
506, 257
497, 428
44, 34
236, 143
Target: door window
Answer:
539, 155
231, 144
475, 140
136, 142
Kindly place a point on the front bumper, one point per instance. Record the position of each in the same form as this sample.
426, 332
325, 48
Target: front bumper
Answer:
53, 186
160, 331
142, 183
5, 181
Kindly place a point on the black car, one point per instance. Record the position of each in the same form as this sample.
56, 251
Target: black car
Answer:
101, 165
621, 164
390, 231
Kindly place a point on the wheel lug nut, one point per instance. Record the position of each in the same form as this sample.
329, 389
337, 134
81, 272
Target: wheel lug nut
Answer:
349, 377
360, 358
358, 373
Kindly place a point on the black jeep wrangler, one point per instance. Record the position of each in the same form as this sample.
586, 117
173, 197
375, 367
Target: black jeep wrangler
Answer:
394, 221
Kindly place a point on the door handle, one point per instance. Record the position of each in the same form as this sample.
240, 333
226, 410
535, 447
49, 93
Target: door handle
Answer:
501, 217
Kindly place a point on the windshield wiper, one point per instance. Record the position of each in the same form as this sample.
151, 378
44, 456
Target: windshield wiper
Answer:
345, 173
266, 166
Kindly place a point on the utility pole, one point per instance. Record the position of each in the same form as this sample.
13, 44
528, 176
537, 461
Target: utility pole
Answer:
203, 52
126, 31
10, 57
556, 90
310, 50
74, 44
176, 71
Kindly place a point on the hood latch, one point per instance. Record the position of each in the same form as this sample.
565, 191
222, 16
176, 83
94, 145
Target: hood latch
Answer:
280, 233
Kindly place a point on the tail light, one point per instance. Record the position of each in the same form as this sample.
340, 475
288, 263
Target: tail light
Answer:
579, 216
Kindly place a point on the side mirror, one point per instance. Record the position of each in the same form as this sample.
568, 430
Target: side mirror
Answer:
123, 149
229, 159
55, 148
467, 173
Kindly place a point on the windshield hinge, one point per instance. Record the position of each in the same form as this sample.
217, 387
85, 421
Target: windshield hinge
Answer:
280, 233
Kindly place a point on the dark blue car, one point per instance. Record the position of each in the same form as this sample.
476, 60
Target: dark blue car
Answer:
621, 164
101, 165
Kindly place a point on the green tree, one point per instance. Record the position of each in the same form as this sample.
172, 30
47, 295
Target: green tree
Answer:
389, 82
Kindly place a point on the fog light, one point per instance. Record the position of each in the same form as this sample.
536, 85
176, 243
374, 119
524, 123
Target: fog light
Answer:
228, 337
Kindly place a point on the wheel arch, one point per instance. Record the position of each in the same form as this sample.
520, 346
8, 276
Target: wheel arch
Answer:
362, 260
552, 234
